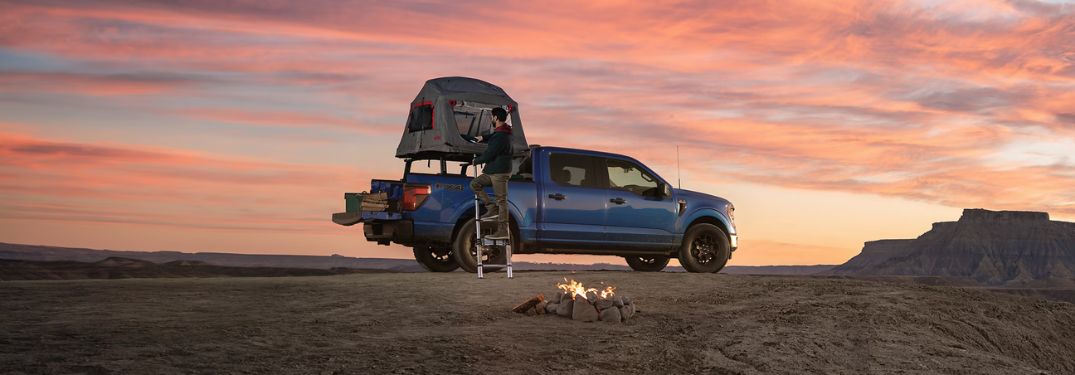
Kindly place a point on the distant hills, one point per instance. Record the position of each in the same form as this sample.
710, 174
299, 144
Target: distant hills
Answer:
1010, 248
37, 253
125, 268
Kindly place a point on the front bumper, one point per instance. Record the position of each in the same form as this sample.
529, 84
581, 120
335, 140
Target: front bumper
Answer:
734, 241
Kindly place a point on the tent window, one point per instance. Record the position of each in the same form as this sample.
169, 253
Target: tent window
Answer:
466, 123
474, 119
421, 118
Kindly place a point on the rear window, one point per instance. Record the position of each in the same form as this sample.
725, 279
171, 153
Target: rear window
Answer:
575, 170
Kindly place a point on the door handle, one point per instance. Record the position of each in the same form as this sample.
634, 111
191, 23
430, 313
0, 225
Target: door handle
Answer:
557, 196
617, 200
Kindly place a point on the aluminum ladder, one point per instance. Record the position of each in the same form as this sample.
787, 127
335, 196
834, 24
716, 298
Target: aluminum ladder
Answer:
481, 243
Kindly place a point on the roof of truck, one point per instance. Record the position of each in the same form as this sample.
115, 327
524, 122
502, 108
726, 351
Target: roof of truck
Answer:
580, 151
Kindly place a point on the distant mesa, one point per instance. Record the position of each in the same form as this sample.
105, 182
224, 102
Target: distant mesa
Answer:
992, 247
185, 263
124, 263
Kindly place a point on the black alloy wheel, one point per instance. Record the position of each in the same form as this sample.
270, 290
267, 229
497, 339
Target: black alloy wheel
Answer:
465, 248
651, 263
435, 258
705, 249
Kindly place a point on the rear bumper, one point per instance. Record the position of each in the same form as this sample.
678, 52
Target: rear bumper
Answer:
386, 232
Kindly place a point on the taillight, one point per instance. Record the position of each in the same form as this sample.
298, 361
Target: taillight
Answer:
414, 196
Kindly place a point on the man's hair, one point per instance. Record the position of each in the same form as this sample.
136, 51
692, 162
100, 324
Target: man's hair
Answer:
500, 114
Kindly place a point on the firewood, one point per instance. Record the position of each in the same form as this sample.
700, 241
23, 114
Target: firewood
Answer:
530, 303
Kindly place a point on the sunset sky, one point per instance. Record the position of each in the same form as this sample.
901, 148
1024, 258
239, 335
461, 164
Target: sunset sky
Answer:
237, 126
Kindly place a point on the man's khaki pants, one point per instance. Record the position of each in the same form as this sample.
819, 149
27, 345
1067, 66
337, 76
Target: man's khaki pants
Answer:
500, 190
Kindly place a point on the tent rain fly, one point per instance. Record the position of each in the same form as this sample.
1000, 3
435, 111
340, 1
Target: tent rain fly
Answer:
450, 111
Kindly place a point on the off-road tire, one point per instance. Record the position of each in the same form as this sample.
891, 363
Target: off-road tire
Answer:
647, 263
705, 249
463, 249
435, 259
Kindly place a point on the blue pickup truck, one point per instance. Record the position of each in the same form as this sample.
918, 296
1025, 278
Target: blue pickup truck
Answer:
562, 201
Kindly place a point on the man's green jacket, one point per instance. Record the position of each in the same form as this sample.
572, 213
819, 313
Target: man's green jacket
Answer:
497, 155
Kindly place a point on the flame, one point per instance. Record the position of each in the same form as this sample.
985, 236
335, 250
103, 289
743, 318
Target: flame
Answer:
577, 289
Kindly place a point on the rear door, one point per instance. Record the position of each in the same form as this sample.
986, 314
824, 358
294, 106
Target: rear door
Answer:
639, 215
574, 201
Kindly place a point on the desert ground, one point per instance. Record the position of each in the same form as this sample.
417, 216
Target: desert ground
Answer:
453, 323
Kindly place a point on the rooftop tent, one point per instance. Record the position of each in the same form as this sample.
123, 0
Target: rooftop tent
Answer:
448, 108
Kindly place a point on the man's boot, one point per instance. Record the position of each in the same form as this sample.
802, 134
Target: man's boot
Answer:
501, 232
491, 213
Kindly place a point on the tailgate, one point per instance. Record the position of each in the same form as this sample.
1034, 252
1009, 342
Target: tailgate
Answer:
353, 207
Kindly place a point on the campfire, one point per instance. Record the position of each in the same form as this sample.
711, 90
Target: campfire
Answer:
580, 303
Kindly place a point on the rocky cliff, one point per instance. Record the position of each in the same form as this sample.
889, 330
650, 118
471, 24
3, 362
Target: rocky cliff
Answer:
992, 247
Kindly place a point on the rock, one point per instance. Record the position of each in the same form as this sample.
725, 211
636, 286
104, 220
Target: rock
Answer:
565, 308
604, 303
618, 301
565, 297
556, 298
591, 296
539, 308
611, 315
583, 311
531, 311
626, 300
551, 307
627, 312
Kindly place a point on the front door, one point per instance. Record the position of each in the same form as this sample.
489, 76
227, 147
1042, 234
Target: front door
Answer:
638, 213
574, 201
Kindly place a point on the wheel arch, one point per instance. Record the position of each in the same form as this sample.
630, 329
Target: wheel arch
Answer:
710, 216
513, 225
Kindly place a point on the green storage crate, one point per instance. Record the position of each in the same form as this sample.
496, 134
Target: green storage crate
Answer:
353, 202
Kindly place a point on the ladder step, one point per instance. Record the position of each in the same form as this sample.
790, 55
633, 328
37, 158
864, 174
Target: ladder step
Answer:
494, 266
486, 241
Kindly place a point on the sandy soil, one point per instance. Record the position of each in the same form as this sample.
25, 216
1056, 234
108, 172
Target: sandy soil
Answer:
453, 323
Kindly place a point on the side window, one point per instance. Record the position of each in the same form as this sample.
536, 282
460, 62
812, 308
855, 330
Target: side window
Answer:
421, 118
573, 170
628, 176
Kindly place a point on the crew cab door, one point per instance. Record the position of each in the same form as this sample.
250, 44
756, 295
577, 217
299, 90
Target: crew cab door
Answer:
573, 200
641, 212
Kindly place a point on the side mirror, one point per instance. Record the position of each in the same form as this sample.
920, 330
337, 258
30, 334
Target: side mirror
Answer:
666, 190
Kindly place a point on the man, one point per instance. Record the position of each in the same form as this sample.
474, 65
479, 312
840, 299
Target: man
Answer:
497, 160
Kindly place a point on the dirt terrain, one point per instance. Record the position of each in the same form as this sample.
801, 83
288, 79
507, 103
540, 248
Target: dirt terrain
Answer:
453, 323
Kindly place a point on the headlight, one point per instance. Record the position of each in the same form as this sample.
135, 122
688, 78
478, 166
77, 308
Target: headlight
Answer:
731, 211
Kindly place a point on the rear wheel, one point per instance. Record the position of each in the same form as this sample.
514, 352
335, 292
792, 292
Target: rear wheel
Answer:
705, 249
435, 258
465, 249
647, 263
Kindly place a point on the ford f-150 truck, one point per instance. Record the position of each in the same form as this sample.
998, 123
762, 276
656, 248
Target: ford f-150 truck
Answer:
562, 201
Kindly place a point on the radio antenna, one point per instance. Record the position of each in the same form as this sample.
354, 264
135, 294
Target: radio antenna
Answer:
679, 180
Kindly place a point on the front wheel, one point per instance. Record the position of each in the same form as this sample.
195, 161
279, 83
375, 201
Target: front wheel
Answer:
465, 248
705, 249
647, 263
435, 259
